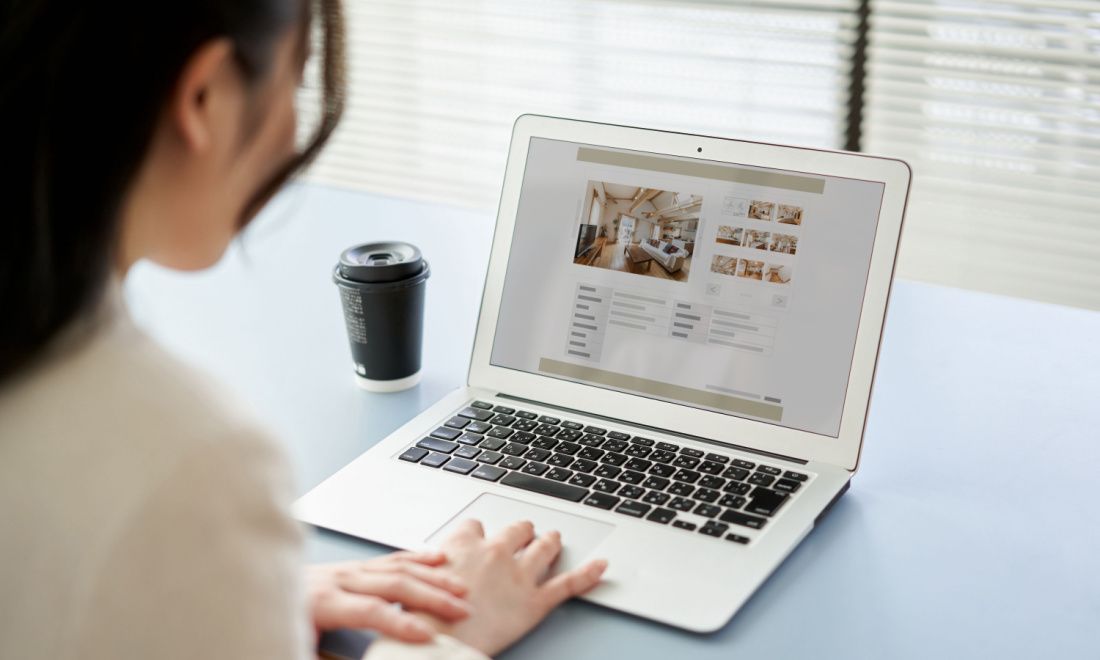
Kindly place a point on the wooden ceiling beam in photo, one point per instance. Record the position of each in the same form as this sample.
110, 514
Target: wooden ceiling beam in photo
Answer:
649, 193
679, 208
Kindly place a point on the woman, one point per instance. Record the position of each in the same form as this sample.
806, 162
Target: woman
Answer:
142, 514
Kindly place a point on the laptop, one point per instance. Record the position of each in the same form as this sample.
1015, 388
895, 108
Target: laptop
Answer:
672, 366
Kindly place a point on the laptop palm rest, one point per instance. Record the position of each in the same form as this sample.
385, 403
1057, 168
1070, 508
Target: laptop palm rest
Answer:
579, 535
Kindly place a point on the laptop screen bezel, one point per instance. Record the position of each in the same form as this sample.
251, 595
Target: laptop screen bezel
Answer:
843, 450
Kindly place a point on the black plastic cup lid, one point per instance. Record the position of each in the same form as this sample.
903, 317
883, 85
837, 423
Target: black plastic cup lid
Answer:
381, 262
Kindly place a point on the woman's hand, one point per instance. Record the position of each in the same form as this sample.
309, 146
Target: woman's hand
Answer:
360, 594
505, 589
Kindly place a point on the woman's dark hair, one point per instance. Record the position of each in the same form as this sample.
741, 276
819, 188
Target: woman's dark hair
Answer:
82, 85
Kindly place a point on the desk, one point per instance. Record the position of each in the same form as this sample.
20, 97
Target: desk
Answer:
970, 531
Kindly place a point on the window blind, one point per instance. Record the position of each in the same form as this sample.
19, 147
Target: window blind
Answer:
996, 105
435, 85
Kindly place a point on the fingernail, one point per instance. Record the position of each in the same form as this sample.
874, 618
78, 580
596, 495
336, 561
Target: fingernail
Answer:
423, 628
597, 568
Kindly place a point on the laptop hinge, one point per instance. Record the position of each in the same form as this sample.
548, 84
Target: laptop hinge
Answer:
644, 427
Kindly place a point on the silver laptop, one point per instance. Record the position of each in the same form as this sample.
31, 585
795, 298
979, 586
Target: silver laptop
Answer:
672, 366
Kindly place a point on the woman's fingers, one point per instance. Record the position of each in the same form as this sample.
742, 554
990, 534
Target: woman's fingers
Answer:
437, 577
516, 536
411, 592
426, 557
542, 552
357, 611
467, 532
561, 588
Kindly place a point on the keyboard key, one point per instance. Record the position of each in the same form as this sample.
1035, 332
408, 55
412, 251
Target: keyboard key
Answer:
710, 467
633, 509
737, 474
584, 465
559, 474
601, 500
569, 448
682, 504
474, 413
694, 453
615, 435
736, 538
633, 492
543, 442
595, 430
560, 460
606, 486
460, 465
469, 438
662, 456
645, 442
613, 459
523, 414
712, 482
609, 471
583, 480
444, 433
512, 463
502, 420
705, 495
567, 435
535, 468
547, 429
668, 446
662, 516
413, 454
736, 488
591, 440
685, 462
712, 528
662, 470
761, 479
767, 469
683, 524
489, 472
707, 510
656, 483
490, 457
615, 445
467, 452
738, 518
504, 409
654, 497
797, 476
572, 426
493, 444
525, 425
435, 460
718, 458
687, 476
737, 462
500, 432
482, 404
523, 437
546, 419
438, 445
478, 427
680, 488
512, 449
544, 486
638, 465
638, 450
789, 485
765, 502
591, 454
457, 422
732, 501
630, 477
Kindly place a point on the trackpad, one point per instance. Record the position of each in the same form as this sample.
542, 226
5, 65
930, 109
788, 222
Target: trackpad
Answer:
579, 535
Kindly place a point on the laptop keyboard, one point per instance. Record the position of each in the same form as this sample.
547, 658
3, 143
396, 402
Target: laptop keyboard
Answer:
713, 494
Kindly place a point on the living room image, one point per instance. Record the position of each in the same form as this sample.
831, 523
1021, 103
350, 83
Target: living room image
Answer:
637, 230
778, 273
756, 239
728, 235
753, 270
760, 210
784, 243
789, 215
724, 265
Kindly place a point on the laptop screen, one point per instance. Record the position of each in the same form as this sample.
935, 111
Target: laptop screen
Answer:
729, 288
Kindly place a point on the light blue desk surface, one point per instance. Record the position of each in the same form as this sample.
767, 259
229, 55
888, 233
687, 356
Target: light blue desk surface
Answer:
970, 531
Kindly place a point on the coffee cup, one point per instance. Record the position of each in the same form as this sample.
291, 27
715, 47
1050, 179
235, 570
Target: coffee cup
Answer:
382, 288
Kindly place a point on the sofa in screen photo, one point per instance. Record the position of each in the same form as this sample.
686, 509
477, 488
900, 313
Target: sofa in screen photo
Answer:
672, 259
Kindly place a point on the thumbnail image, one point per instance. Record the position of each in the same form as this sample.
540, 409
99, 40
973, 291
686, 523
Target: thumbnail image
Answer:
785, 243
753, 270
735, 206
633, 229
724, 265
790, 215
756, 239
778, 273
730, 235
761, 210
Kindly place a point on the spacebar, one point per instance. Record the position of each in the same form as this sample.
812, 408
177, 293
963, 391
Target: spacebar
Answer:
544, 486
